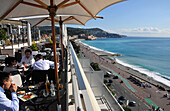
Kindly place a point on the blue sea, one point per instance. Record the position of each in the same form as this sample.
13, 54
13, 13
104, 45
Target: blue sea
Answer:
149, 55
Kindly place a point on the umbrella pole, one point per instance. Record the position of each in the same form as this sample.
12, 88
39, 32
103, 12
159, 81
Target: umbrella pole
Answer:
52, 11
61, 38
22, 33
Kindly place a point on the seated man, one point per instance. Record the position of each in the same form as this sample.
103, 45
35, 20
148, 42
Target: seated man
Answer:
41, 64
27, 58
5, 103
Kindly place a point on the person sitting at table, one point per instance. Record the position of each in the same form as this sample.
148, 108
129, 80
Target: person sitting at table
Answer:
27, 58
41, 64
5, 103
10, 62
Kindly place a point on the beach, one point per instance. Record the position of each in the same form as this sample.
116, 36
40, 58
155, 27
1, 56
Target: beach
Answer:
155, 93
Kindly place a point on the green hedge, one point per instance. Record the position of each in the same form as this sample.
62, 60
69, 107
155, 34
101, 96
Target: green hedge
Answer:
95, 66
126, 108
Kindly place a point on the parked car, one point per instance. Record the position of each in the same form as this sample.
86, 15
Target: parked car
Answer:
106, 75
120, 102
121, 81
115, 77
122, 98
109, 81
108, 84
132, 103
109, 73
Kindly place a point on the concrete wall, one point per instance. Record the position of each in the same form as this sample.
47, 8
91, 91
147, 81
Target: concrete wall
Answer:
10, 52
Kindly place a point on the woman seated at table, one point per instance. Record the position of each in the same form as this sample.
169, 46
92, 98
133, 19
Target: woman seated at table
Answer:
10, 62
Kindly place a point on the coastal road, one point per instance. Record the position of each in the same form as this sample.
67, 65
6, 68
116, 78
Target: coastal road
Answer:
122, 91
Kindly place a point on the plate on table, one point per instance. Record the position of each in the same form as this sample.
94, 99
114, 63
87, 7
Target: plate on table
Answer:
27, 96
32, 87
21, 92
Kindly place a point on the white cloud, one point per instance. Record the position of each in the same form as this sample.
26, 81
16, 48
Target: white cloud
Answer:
143, 31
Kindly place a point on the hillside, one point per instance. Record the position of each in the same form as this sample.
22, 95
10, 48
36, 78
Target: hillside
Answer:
97, 32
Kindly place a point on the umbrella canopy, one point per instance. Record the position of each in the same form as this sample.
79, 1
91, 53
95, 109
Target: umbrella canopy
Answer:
78, 20
46, 20
20, 8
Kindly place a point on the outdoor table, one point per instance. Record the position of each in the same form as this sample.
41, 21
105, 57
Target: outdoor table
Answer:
20, 68
40, 102
25, 73
2, 58
47, 49
52, 54
42, 53
34, 53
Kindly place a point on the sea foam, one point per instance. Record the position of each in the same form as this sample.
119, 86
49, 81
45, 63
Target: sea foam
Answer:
155, 75
94, 48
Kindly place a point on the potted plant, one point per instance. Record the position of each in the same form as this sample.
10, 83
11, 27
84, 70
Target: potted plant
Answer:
34, 48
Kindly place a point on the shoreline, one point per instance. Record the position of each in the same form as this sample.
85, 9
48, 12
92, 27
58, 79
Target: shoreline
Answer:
108, 56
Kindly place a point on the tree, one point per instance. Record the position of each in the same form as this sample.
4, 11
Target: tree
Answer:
3, 35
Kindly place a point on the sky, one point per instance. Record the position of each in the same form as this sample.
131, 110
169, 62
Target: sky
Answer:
145, 18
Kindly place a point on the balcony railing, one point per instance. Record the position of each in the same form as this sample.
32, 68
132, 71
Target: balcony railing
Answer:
83, 94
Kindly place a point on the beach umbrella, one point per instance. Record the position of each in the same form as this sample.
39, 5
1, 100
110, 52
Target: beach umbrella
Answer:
20, 8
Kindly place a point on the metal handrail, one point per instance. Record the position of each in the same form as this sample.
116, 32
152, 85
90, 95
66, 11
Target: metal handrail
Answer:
75, 85
84, 86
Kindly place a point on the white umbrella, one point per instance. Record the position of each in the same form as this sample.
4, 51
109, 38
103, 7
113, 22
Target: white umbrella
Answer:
20, 8
67, 19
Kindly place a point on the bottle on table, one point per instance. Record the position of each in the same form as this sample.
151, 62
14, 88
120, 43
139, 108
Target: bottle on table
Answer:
52, 88
47, 85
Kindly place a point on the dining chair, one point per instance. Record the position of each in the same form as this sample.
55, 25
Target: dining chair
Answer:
17, 80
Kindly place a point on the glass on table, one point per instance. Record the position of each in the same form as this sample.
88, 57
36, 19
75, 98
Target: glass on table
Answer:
17, 66
45, 93
23, 63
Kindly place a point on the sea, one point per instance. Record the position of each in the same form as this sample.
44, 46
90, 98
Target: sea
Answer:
148, 55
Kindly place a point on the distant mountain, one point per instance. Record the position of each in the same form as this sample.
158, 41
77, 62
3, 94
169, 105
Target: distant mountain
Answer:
97, 32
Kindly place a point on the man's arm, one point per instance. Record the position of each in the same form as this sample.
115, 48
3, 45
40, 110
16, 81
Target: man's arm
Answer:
12, 105
7, 104
51, 63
